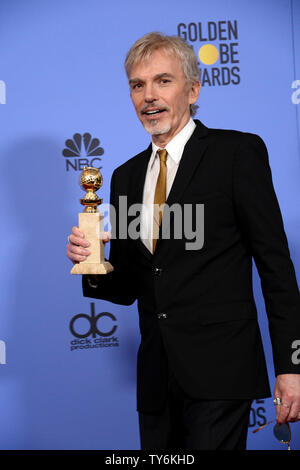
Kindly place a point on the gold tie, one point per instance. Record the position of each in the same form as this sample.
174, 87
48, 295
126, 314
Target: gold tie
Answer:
160, 195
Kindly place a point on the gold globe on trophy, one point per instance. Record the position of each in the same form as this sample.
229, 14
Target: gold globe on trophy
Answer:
90, 222
90, 181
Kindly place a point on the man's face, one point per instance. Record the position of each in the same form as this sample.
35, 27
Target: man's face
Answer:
161, 95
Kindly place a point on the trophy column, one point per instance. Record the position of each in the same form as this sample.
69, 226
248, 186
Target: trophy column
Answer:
90, 222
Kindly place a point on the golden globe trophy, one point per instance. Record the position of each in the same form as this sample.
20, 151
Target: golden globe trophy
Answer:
90, 222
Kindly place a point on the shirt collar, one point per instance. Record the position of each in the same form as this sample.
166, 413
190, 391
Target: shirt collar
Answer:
176, 146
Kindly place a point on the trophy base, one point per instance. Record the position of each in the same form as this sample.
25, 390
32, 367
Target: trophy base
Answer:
91, 224
92, 268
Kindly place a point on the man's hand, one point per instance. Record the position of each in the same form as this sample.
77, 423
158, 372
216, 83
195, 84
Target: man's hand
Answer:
77, 247
287, 388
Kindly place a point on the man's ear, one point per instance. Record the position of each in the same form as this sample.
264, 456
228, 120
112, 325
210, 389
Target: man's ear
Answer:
194, 91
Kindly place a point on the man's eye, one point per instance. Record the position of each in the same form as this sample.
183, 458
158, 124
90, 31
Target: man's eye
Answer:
164, 80
136, 85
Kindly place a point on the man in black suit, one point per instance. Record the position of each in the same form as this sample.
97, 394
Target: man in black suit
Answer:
201, 360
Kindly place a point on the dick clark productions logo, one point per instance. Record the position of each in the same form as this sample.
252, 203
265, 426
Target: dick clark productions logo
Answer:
93, 331
81, 151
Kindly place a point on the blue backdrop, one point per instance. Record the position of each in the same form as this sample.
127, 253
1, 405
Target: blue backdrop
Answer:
61, 74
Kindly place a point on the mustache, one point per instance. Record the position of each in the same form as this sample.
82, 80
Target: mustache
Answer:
159, 107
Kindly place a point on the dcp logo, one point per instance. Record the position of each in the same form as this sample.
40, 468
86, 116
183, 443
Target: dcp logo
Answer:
2, 92
93, 324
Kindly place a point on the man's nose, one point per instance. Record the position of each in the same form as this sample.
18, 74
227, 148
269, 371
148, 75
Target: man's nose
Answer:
150, 94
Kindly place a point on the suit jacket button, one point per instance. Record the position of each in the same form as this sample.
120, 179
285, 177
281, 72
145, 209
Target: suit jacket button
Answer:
162, 316
157, 271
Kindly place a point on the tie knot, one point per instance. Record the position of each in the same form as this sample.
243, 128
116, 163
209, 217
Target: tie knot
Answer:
162, 155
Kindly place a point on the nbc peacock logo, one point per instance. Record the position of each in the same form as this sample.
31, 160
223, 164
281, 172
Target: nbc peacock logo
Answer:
81, 151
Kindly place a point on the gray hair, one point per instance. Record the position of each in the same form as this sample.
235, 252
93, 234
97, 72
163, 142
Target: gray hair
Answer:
146, 45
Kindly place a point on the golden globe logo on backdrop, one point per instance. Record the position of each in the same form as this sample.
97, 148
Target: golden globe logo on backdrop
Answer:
216, 46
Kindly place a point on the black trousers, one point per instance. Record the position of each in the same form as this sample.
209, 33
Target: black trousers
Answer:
189, 423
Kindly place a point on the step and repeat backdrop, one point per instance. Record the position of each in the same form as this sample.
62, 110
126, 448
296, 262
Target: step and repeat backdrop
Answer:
68, 363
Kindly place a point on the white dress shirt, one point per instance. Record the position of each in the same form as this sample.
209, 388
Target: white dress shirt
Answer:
175, 150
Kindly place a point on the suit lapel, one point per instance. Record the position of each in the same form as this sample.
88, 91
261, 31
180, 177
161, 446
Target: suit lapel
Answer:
191, 158
136, 195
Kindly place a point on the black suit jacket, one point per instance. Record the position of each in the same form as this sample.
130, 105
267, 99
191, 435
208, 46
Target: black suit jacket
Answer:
196, 307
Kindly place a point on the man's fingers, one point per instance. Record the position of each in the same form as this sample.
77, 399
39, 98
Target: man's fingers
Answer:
287, 412
77, 247
77, 258
294, 414
287, 389
105, 236
77, 232
282, 412
77, 237
77, 250
277, 413
78, 241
